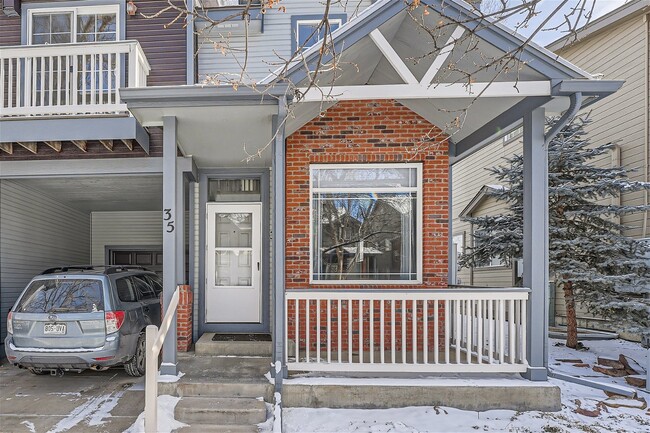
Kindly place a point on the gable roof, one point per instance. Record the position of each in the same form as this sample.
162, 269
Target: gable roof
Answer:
603, 23
484, 193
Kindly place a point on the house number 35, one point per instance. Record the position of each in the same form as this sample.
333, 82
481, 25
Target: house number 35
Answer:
168, 218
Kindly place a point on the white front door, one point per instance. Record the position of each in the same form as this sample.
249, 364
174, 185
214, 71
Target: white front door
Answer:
233, 290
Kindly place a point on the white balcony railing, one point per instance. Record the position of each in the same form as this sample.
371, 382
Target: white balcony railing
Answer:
69, 79
450, 330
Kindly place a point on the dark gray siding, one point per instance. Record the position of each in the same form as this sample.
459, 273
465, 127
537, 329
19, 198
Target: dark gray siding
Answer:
36, 232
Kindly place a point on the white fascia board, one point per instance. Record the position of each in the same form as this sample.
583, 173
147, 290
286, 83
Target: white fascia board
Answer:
417, 91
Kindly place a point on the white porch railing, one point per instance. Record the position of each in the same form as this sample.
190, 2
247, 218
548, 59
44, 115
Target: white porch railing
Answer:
155, 339
69, 79
446, 330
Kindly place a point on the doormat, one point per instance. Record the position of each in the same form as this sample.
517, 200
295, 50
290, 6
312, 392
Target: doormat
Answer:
241, 337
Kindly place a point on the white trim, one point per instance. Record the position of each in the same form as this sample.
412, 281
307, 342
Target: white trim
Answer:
418, 189
501, 89
393, 58
444, 53
95, 9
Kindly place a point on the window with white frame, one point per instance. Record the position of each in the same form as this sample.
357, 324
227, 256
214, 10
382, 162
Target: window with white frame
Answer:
70, 25
74, 25
366, 223
308, 32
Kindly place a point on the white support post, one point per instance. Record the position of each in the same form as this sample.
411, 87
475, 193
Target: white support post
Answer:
151, 386
535, 243
170, 238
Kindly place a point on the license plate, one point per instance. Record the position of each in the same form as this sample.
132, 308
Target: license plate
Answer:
55, 328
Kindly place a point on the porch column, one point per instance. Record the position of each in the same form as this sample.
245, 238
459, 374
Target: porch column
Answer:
280, 370
171, 229
535, 243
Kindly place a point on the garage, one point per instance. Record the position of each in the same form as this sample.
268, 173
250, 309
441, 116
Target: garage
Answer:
54, 221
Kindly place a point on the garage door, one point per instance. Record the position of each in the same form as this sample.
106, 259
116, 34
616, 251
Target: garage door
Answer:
151, 259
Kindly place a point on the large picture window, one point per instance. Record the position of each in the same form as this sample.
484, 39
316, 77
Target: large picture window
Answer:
366, 223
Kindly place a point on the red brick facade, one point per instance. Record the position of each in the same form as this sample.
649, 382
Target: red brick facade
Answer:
184, 319
367, 132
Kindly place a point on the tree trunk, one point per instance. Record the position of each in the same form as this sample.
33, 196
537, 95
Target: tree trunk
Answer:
572, 323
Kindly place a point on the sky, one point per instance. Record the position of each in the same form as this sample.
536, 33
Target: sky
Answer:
546, 7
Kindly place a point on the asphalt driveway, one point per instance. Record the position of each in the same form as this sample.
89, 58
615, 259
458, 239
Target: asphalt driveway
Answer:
87, 402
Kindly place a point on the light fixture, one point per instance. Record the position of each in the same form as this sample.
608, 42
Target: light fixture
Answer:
131, 8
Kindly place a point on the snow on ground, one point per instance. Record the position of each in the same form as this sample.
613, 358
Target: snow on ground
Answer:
95, 410
166, 421
584, 409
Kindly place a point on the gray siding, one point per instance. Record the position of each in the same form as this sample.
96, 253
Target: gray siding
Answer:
36, 233
620, 54
263, 48
122, 229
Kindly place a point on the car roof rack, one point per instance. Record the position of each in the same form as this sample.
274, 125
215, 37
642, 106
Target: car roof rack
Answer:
107, 269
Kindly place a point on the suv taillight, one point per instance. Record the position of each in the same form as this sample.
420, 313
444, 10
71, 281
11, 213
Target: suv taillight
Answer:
114, 320
10, 324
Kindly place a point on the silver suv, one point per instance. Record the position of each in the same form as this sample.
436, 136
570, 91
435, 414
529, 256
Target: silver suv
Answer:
79, 317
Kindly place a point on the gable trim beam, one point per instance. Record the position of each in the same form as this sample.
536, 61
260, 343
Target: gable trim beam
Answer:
495, 128
393, 58
418, 91
444, 53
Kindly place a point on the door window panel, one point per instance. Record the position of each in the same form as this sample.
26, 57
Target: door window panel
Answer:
234, 230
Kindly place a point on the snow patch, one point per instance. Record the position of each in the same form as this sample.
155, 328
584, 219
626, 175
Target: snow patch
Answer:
166, 421
169, 378
94, 411
30, 425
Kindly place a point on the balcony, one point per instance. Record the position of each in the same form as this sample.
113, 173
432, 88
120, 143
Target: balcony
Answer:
80, 79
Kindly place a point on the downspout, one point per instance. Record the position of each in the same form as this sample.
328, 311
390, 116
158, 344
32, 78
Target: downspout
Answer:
647, 119
574, 107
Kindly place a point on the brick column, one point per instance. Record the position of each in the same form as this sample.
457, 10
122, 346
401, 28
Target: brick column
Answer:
184, 319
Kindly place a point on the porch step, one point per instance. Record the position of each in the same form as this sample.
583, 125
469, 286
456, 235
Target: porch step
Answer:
218, 428
206, 346
199, 411
222, 389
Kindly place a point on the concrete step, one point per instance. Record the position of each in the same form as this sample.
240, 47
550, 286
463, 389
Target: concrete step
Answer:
225, 389
206, 346
220, 411
218, 428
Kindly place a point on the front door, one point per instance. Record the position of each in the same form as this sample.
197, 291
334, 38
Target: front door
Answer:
233, 266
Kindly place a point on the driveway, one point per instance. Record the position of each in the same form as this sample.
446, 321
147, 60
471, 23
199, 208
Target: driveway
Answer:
88, 402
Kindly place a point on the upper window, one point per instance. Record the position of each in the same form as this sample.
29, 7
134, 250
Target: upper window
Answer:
306, 32
366, 223
70, 25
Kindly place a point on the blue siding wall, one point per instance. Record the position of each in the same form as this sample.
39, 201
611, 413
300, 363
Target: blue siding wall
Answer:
263, 47
36, 232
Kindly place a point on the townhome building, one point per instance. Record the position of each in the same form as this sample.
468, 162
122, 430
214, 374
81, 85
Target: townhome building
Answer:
317, 215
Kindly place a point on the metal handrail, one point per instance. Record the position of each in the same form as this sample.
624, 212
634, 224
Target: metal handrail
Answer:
155, 339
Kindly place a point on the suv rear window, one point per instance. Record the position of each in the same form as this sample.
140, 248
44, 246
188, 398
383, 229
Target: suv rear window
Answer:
62, 296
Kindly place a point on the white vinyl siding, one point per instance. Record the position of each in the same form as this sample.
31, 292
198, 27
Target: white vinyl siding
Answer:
264, 48
124, 229
36, 233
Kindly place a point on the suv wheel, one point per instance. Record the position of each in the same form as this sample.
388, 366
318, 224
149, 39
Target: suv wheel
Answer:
136, 365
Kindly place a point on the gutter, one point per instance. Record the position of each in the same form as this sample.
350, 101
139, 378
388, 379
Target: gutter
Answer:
574, 107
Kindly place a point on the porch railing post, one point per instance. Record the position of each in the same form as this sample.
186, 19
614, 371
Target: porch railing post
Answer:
535, 243
279, 343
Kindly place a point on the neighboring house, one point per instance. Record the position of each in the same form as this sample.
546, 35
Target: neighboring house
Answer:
613, 47
336, 237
